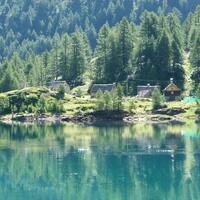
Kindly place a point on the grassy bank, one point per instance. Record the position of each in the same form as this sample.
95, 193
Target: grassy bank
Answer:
41, 100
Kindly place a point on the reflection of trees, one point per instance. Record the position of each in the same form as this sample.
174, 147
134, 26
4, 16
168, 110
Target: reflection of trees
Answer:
189, 159
53, 162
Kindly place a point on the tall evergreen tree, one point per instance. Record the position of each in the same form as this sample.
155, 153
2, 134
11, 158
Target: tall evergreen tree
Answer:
102, 54
195, 59
78, 59
9, 80
163, 54
64, 60
125, 46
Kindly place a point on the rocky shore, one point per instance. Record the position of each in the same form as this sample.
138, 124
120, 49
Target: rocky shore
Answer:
96, 117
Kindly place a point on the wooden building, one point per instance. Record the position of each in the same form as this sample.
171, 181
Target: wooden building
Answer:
102, 87
172, 92
145, 91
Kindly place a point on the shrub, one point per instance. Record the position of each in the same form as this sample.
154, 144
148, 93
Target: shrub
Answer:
41, 106
61, 92
100, 100
197, 112
13, 109
157, 99
110, 101
32, 99
31, 109
17, 100
131, 106
23, 108
118, 98
4, 105
56, 107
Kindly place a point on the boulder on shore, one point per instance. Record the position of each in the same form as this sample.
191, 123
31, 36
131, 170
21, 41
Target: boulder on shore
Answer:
169, 111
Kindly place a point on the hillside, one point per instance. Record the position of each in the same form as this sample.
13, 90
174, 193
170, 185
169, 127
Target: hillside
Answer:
29, 25
42, 41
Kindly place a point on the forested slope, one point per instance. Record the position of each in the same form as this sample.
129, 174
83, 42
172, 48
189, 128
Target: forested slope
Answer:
29, 25
99, 41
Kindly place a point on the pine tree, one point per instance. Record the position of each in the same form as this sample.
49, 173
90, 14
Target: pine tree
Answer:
64, 59
9, 80
125, 49
163, 55
78, 59
149, 25
195, 52
102, 54
195, 59
55, 60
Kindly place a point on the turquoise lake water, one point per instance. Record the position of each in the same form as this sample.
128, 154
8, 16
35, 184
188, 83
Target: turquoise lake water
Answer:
73, 162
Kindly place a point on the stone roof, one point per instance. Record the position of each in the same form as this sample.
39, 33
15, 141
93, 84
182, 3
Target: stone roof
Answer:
146, 90
172, 88
103, 87
54, 85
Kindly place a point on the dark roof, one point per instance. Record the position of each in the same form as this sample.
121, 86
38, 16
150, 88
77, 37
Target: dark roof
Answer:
172, 88
103, 87
147, 87
58, 82
146, 90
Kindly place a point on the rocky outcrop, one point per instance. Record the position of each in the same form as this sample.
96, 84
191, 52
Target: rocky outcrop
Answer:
98, 116
169, 111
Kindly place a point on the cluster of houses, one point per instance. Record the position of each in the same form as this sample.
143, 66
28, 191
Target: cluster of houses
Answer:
171, 92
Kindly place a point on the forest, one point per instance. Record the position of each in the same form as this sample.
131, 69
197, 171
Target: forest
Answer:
145, 41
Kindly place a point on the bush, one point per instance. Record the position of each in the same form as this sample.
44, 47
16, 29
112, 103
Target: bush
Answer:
100, 100
17, 100
198, 91
118, 98
23, 108
32, 99
197, 112
4, 105
157, 99
131, 106
56, 107
61, 92
79, 92
41, 106
31, 109
110, 100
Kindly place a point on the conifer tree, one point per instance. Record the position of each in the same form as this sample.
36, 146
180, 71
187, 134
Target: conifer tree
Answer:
102, 54
9, 80
125, 49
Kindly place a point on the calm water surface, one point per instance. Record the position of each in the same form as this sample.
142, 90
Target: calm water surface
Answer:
73, 162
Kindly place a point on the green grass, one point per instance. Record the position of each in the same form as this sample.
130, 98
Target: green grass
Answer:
79, 105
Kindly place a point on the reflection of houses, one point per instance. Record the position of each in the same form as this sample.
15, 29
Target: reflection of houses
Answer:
172, 92
54, 85
102, 87
145, 91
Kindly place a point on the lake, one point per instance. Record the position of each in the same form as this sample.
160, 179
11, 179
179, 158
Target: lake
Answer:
106, 162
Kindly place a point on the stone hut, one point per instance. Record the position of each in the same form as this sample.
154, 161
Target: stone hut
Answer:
172, 92
54, 85
102, 87
145, 91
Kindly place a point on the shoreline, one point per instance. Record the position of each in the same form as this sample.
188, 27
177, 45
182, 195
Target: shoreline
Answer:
94, 118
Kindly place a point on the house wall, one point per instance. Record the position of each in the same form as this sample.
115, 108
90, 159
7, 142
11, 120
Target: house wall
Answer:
172, 97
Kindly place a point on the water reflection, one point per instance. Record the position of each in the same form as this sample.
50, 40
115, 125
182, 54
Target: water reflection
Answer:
142, 162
